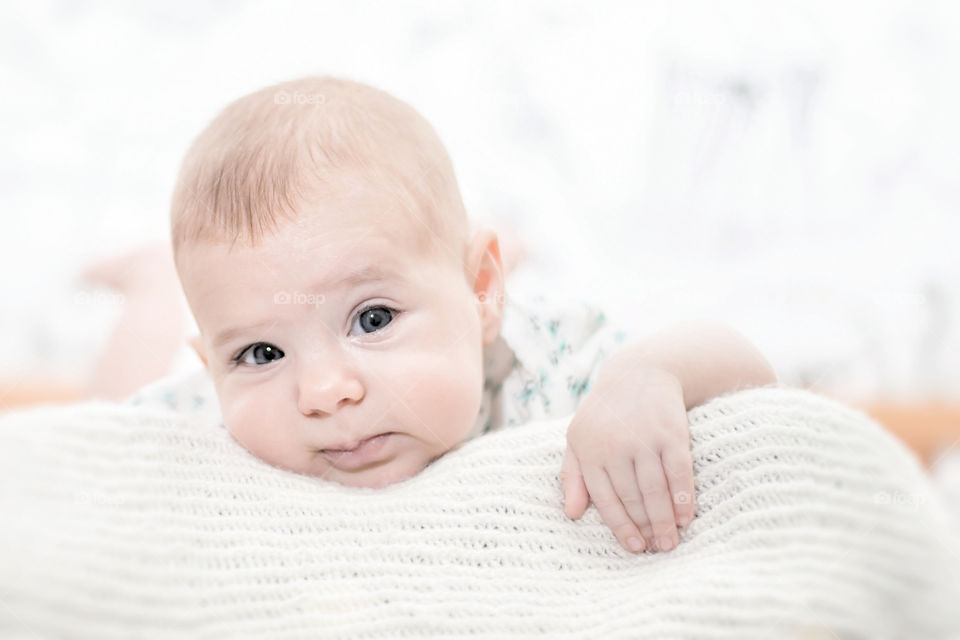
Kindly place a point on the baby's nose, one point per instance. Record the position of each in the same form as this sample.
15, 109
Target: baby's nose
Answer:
327, 390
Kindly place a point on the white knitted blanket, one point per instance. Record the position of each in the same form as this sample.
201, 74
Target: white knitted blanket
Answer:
813, 522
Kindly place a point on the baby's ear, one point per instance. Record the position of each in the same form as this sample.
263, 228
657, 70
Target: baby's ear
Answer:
485, 271
197, 345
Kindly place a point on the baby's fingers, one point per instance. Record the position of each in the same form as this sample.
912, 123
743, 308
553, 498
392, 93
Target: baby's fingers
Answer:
575, 496
624, 480
611, 509
679, 471
658, 502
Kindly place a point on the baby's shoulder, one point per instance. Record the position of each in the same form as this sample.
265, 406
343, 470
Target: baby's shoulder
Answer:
546, 357
189, 392
552, 321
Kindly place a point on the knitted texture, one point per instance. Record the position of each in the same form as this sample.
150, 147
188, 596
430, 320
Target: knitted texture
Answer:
122, 523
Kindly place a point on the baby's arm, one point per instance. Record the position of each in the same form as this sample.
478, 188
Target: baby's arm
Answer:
709, 360
629, 442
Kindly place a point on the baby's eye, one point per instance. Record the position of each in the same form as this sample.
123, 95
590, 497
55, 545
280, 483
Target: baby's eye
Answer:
266, 351
373, 319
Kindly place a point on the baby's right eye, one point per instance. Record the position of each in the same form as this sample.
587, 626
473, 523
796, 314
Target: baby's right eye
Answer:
268, 353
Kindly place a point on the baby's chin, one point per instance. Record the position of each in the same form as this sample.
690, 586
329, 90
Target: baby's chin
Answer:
375, 477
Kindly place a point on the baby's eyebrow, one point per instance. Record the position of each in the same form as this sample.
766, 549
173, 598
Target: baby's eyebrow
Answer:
353, 278
229, 334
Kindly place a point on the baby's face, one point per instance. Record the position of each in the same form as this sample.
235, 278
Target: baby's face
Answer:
334, 330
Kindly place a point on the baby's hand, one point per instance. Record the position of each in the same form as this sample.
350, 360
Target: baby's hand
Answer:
628, 449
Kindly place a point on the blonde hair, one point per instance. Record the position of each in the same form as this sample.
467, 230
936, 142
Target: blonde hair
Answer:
273, 150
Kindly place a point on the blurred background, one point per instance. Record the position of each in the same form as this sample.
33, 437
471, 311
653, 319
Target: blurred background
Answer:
785, 169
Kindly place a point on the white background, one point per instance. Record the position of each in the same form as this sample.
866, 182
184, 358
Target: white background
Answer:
787, 169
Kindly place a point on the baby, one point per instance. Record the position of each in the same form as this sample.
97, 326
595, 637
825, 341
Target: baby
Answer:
345, 311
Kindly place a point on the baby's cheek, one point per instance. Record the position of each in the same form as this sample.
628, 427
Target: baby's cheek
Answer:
448, 401
249, 424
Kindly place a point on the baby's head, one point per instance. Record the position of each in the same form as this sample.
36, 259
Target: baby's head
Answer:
322, 244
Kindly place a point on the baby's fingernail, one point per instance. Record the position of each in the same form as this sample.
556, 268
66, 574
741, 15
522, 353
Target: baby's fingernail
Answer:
666, 543
635, 544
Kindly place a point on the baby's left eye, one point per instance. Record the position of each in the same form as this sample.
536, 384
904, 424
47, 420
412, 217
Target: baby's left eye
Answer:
373, 319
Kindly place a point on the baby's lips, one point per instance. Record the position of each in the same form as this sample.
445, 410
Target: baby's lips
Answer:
365, 452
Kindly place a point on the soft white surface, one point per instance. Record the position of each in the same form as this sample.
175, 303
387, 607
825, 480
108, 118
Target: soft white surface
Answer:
121, 523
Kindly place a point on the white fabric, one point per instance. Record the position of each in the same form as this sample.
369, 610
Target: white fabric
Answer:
120, 522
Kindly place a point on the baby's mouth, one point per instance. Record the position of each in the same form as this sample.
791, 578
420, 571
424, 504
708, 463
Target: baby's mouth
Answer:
355, 446
364, 452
